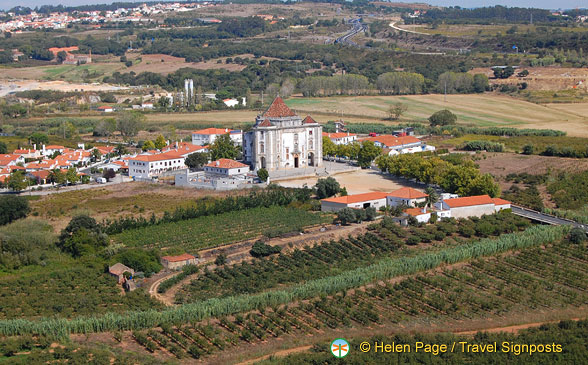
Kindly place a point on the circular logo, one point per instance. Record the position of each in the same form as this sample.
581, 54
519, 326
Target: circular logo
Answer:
339, 348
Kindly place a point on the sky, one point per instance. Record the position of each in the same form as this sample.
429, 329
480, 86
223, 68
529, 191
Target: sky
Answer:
545, 4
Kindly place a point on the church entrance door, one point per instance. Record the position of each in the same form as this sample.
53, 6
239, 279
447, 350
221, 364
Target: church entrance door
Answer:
311, 159
296, 159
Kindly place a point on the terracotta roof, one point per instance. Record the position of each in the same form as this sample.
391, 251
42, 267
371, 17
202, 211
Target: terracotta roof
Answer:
5, 159
23, 152
16, 167
309, 120
182, 257
43, 174
105, 149
171, 155
469, 201
408, 193
104, 107
225, 163
389, 140
54, 147
498, 201
338, 135
265, 123
185, 148
349, 199
119, 269
278, 109
213, 131
415, 212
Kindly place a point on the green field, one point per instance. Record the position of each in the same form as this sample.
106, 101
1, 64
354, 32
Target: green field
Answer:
199, 233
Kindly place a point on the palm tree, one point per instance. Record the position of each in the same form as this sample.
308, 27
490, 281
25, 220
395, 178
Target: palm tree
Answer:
432, 197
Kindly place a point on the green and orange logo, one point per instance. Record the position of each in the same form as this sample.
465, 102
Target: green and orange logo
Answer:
339, 348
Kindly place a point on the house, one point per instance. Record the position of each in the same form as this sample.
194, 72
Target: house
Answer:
148, 166
469, 206
207, 136
185, 149
365, 200
11, 159
341, 137
406, 196
394, 142
28, 153
501, 204
51, 149
422, 215
117, 270
105, 150
41, 176
177, 262
105, 109
231, 103
227, 167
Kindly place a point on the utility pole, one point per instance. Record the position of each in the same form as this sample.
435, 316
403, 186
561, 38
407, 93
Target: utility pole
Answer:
445, 95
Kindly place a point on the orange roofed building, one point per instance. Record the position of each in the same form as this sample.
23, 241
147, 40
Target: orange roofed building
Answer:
177, 262
356, 201
149, 166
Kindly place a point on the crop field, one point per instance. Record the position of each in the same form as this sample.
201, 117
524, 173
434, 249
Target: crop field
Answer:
385, 239
516, 143
484, 110
211, 231
533, 279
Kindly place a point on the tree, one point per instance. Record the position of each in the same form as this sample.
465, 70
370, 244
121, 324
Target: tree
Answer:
262, 174
160, 142
329, 147
432, 196
12, 208
397, 110
148, 145
367, 153
528, 149
223, 147
17, 181
326, 188
221, 259
146, 261
96, 155
346, 216
120, 150
480, 83
106, 127
130, 123
61, 56
39, 138
503, 73
261, 249
3, 148
196, 160
72, 175
82, 236
56, 176
109, 174
577, 235
442, 117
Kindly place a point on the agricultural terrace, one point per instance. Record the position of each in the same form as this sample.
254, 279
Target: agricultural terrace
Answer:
480, 290
216, 230
384, 240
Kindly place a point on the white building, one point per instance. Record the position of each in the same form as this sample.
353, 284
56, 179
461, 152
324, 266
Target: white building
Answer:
365, 200
341, 137
280, 140
473, 206
227, 167
406, 196
11, 160
148, 166
207, 136
420, 214
51, 149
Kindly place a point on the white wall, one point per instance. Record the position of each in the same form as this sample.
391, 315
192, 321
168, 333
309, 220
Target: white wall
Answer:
471, 211
395, 201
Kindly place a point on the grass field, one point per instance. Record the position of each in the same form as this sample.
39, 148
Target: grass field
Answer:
485, 110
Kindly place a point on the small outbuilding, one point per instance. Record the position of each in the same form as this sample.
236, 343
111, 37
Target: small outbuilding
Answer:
117, 270
177, 262
406, 196
365, 200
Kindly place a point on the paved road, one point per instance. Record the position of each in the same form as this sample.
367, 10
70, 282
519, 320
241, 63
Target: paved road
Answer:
393, 26
356, 28
545, 218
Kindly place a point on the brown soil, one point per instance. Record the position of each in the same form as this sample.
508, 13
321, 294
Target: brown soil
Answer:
153, 63
502, 164
543, 78
282, 353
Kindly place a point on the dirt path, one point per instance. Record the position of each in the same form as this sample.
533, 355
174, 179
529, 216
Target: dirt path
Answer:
510, 329
239, 252
282, 353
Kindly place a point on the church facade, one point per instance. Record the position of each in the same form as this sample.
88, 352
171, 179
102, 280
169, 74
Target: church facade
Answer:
281, 140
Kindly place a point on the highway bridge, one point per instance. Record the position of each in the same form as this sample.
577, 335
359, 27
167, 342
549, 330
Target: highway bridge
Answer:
356, 28
545, 218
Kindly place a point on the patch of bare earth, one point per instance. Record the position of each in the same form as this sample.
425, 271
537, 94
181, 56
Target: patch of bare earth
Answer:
502, 164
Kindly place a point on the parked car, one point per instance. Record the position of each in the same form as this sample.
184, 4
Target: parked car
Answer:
101, 180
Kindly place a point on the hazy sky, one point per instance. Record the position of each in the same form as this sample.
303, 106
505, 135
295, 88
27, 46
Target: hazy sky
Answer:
546, 4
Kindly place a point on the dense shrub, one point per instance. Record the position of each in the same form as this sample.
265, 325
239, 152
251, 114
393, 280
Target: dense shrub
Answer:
13, 207
261, 249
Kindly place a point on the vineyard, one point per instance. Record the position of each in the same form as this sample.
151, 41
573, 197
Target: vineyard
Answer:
385, 239
539, 278
215, 230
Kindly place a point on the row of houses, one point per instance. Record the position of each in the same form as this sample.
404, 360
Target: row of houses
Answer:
449, 206
390, 144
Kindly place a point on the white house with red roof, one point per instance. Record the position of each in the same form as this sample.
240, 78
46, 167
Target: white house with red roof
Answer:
473, 206
28, 153
394, 145
341, 137
51, 149
177, 262
281, 140
185, 149
227, 167
357, 201
207, 136
406, 196
148, 166
422, 215
9, 159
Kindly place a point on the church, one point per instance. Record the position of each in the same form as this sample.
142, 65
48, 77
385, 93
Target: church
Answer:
281, 140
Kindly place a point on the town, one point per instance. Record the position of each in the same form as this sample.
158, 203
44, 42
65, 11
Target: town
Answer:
291, 182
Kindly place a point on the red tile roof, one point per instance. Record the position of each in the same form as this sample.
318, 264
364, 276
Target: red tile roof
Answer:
389, 140
54, 147
357, 198
213, 131
157, 157
278, 109
226, 163
309, 120
469, 201
408, 193
182, 257
43, 174
265, 123
498, 201
338, 135
415, 212
5, 159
